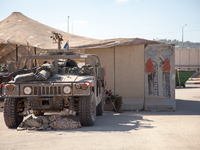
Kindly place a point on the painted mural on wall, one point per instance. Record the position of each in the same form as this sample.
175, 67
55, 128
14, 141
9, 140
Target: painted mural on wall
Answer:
158, 70
152, 71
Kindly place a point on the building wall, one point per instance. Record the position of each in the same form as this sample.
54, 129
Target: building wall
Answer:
106, 56
124, 73
129, 76
129, 72
186, 58
143, 76
159, 77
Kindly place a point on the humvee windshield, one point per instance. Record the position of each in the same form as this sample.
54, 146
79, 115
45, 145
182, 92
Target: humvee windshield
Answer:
77, 66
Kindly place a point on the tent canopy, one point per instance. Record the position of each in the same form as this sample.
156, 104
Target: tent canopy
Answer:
19, 29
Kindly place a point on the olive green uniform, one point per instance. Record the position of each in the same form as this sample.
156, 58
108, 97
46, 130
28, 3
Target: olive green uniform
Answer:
117, 100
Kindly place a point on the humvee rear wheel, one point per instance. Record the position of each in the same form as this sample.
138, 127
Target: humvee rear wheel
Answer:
100, 106
11, 111
38, 113
87, 110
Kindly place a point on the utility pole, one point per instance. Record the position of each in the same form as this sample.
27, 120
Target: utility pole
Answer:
68, 24
182, 34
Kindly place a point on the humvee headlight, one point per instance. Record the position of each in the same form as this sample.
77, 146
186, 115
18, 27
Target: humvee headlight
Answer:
67, 89
78, 85
27, 90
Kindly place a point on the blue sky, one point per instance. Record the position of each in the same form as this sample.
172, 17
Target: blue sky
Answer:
103, 19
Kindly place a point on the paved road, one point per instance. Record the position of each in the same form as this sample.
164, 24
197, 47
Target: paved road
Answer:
177, 130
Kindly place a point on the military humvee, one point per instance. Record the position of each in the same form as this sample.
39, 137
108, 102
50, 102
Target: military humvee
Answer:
71, 89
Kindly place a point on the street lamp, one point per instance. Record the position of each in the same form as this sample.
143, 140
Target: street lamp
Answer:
182, 33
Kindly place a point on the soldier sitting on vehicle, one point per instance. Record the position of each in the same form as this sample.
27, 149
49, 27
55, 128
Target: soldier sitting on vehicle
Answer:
114, 98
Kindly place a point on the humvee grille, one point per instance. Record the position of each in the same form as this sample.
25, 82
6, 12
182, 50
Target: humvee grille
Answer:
47, 90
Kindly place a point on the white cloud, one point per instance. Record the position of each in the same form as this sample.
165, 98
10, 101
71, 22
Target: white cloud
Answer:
121, 1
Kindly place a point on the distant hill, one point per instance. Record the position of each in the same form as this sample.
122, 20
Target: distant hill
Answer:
179, 45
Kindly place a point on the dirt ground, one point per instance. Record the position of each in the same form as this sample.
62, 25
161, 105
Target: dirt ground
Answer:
177, 130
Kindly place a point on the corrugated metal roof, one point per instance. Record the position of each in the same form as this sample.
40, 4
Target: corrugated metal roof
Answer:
117, 42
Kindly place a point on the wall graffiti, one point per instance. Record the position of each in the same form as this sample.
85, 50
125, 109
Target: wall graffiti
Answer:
166, 67
152, 71
154, 56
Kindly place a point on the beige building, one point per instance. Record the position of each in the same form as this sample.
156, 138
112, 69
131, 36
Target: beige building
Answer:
141, 71
188, 60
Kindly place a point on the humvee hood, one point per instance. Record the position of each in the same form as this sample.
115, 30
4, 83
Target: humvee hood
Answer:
70, 78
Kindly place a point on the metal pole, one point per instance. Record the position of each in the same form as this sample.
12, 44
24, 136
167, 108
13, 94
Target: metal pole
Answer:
58, 42
68, 24
16, 52
35, 54
114, 72
182, 34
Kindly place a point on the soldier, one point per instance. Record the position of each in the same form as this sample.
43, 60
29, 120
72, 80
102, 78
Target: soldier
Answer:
114, 98
3, 68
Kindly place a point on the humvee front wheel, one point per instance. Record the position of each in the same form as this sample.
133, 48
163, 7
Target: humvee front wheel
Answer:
87, 110
11, 111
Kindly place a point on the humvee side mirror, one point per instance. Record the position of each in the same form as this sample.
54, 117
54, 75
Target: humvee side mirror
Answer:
101, 73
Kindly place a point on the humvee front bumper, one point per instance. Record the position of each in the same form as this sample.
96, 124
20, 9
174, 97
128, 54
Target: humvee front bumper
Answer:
49, 89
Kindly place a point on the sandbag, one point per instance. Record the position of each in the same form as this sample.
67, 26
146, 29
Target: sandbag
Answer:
59, 123
45, 67
48, 67
25, 77
43, 75
74, 70
55, 122
32, 123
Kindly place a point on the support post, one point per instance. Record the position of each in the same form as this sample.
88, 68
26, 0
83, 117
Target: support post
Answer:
16, 53
35, 54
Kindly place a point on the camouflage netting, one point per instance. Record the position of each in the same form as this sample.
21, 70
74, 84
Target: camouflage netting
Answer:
54, 122
63, 123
